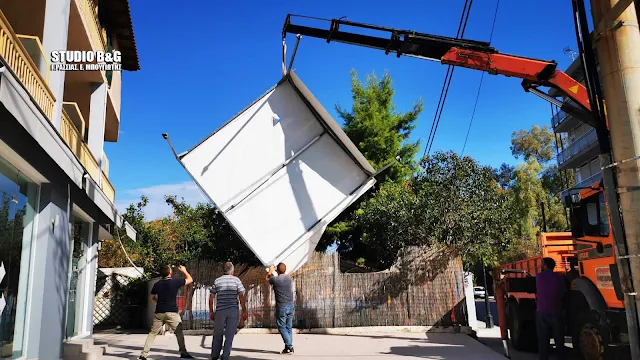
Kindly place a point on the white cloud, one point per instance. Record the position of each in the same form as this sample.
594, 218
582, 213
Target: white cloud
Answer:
157, 207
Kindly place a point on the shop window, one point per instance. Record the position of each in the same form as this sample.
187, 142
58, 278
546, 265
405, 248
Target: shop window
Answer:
18, 196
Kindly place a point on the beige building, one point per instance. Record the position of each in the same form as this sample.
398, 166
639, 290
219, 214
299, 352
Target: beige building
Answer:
56, 200
577, 143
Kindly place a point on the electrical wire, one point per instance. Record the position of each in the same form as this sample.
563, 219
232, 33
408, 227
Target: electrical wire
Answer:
464, 18
447, 82
493, 26
123, 249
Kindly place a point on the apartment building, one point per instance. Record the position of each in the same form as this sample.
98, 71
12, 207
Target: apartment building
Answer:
577, 143
56, 200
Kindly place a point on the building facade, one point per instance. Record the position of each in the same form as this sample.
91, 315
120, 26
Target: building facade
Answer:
576, 143
56, 200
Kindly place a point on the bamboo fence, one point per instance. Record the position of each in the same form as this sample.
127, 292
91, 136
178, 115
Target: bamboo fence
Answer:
425, 288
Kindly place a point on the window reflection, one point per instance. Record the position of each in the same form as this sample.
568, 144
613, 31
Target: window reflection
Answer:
17, 211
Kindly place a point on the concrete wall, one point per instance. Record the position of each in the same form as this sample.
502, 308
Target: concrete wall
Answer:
50, 279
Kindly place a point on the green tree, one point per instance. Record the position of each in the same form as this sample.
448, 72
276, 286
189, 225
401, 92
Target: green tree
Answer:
381, 133
454, 202
377, 129
538, 142
203, 233
188, 233
505, 175
528, 194
150, 249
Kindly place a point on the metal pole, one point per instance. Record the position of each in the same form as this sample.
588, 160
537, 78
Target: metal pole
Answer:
284, 56
487, 308
619, 54
295, 50
544, 219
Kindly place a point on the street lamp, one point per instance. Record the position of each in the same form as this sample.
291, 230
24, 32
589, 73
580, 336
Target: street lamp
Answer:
487, 308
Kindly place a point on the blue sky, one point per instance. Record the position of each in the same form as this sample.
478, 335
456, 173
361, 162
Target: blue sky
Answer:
204, 61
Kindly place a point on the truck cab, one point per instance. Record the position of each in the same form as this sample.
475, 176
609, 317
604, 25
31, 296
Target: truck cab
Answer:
594, 308
596, 315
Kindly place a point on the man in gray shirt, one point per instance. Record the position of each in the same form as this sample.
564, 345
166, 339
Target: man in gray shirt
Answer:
283, 289
226, 290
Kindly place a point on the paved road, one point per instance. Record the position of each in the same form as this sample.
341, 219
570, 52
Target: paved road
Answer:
316, 347
491, 337
481, 310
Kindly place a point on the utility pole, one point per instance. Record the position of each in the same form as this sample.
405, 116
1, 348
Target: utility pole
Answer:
617, 41
544, 218
487, 307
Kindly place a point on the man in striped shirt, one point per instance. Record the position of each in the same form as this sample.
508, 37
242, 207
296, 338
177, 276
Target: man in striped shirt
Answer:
226, 290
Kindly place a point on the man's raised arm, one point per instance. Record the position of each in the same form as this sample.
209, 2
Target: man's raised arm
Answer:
270, 274
187, 277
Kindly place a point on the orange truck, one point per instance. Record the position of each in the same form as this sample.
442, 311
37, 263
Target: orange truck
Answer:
594, 309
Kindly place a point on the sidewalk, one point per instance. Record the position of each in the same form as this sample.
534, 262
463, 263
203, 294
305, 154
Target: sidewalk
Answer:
309, 346
491, 338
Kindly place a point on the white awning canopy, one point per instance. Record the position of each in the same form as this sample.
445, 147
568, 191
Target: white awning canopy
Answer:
280, 171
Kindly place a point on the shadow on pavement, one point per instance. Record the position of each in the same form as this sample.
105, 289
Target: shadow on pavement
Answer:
429, 352
173, 354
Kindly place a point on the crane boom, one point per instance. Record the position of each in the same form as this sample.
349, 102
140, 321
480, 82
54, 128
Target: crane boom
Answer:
470, 54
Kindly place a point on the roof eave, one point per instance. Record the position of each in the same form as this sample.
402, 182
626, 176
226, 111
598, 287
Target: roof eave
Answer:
117, 16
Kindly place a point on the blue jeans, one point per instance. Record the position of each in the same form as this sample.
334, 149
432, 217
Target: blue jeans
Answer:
284, 320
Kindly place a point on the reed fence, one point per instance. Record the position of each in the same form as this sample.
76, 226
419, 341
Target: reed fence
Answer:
425, 288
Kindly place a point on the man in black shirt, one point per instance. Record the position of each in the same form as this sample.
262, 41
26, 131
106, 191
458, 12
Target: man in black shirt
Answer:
164, 294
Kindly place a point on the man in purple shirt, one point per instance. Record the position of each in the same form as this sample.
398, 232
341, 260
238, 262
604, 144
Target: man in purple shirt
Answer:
550, 287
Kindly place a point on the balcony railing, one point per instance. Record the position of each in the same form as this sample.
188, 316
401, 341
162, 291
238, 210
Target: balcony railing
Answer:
558, 118
589, 181
576, 147
73, 110
98, 33
108, 188
582, 184
36, 52
70, 134
105, 164
72, 137
18, 59
90, 163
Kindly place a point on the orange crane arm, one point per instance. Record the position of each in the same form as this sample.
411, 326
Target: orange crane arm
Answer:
533, 71
464, 53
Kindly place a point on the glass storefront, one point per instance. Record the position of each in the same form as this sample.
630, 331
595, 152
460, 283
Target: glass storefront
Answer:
18, 205
76, 300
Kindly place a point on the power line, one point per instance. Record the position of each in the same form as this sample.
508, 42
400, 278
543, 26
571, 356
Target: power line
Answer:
466, 10
472, 115
493, 26
447, 80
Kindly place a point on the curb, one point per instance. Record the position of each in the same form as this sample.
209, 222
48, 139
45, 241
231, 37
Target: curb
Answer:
353, 330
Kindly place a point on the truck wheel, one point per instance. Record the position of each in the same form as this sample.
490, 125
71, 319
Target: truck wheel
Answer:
590, 339
522, 333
